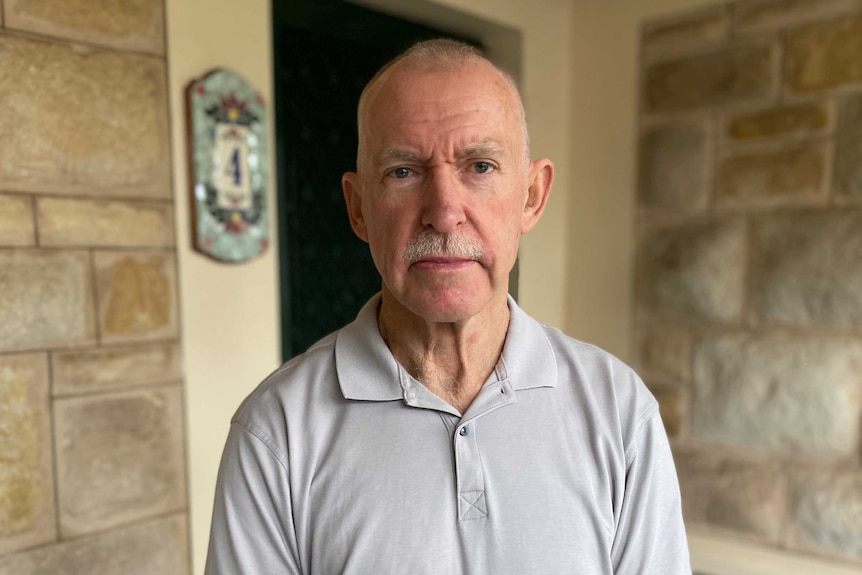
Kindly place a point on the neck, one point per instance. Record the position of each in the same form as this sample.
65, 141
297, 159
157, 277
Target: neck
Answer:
452, 359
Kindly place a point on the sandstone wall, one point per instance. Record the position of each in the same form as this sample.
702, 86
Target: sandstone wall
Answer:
92, 462
748, 287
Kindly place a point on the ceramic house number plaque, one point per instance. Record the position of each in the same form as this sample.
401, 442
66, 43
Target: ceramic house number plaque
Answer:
227, 167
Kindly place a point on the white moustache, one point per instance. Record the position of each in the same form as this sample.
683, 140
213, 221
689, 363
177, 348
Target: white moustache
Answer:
431, 243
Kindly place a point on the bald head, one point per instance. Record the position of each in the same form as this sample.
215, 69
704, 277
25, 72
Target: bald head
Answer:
435, 56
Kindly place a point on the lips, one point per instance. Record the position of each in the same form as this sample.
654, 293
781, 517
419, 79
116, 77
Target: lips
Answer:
444, 259
443, 263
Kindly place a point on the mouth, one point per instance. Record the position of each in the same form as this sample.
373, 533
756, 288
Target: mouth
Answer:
443, 263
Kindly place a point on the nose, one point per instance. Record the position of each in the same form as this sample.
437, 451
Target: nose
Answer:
443, 208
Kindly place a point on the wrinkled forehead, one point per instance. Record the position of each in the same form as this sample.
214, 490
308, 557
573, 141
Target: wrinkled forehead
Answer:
413, 94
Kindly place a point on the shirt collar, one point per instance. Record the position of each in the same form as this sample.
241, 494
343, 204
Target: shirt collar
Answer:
528, 360
368, 371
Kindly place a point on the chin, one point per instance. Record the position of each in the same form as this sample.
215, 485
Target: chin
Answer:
446, 307
451, 299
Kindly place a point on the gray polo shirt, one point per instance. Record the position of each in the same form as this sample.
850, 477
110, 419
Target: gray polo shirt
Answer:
341, 462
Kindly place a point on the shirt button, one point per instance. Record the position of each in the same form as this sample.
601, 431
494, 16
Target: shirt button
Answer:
463, 431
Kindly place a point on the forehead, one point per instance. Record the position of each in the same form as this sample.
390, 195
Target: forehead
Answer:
458, 106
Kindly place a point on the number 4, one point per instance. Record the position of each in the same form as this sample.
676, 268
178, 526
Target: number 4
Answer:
233, 168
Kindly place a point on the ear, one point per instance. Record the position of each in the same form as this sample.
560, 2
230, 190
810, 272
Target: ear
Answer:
540, 178
353, 199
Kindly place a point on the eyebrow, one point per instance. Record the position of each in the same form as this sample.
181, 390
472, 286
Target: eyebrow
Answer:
482, 148
397, 154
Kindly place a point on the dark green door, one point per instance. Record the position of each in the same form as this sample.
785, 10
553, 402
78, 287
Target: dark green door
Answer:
324, 53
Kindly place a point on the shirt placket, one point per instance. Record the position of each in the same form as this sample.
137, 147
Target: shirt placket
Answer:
471, 479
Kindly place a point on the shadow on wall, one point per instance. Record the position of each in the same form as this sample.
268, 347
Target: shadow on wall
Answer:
749, 266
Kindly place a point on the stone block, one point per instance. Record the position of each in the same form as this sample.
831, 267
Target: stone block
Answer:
788, 396
807, 268
687, 32
46, 299
27, 515
848, 149
137, 296
744, 495
119, 458
674, 166
824, 56
787, 176
156, 547
827, 511
692, 271
665, 354
81, 371
77, 222
737, 74
672, 400
136, 25
16, 221
767, 15
78, 120
803, 120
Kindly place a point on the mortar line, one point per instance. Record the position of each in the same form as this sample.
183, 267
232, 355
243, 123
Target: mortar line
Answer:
55, 479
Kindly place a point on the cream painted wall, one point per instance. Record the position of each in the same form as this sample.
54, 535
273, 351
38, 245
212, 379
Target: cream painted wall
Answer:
229, 312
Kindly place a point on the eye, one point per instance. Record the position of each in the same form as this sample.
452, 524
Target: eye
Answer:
400, 173
483, 167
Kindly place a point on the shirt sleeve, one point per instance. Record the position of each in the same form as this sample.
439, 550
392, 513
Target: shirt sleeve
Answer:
650, 536
252, 529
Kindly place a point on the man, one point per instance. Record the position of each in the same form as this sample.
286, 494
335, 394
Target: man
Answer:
444, 431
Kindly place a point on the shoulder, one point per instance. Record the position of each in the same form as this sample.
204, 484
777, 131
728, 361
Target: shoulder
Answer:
589, 359
304, 380
589, 374
603, 381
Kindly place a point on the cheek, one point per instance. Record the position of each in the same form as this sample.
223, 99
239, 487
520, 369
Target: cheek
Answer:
387, 241
391, 225
506, 229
